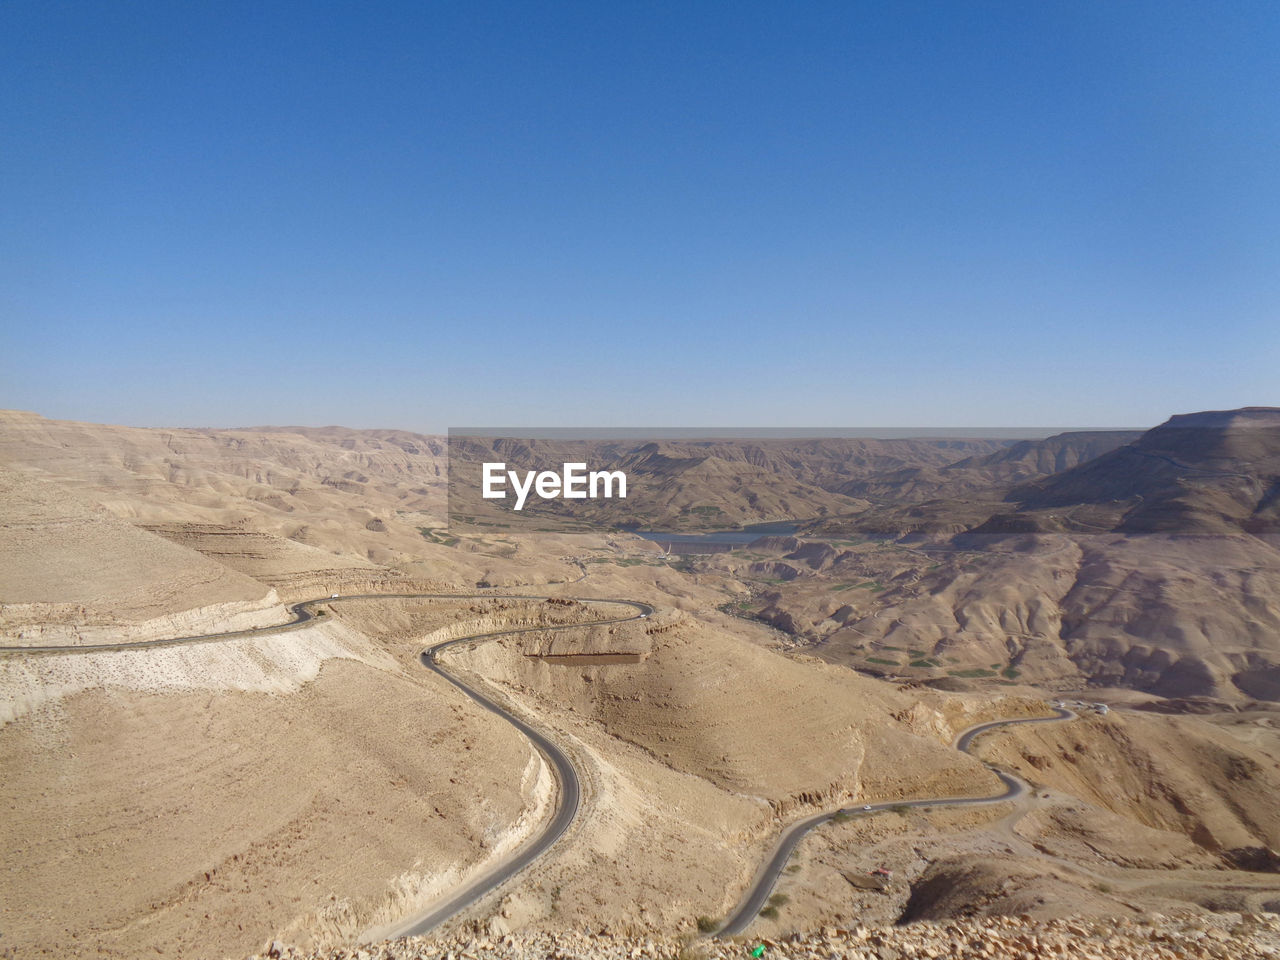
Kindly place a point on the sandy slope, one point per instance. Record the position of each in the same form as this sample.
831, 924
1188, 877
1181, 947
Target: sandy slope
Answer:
65, 563
187, 797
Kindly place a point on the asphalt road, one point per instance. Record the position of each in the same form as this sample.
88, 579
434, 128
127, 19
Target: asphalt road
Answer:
762, 885
302, 614
567, 780
570, 788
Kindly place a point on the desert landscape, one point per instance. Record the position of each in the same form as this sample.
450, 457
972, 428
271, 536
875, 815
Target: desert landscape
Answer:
598, 481
221, 735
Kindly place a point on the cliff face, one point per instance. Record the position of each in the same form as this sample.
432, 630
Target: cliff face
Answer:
1211, 473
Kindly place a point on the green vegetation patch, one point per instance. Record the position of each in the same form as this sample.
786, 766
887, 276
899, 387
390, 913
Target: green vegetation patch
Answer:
973, 674
432, 535
890, 663
738, 609
625, 561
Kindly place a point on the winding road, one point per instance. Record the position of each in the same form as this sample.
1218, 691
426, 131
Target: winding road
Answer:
567, 777
565, 772
762, 885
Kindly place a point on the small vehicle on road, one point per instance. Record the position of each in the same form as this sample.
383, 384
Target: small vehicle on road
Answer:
867, 807
333, 596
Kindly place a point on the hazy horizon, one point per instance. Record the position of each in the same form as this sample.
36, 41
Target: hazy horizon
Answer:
623, 432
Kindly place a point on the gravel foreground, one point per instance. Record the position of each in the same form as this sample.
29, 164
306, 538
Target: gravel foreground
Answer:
1220, 936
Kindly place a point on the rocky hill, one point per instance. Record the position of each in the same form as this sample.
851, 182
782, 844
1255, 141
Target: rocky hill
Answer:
1153, 565
1196, 937
988, 476
1205, 473
1212, 472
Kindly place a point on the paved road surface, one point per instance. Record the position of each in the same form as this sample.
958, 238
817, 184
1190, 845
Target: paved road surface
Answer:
565, 773
568, 783
566, 776
762, 885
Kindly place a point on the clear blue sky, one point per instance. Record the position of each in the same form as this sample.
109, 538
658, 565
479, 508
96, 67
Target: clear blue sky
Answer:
423, 214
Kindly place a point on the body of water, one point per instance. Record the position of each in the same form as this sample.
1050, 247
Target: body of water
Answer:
718, 541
